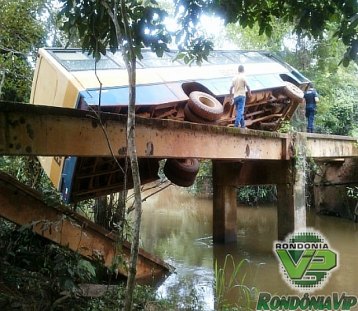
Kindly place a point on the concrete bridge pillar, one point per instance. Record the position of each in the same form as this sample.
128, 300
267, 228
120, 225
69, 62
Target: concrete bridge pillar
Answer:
291, 194
286, 174
224, 207
224, 202
291, 200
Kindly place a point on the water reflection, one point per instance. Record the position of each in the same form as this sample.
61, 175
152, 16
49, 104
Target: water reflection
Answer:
178, 227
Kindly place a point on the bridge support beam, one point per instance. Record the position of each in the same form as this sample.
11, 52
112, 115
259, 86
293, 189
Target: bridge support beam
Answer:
288, 175
224, 202
291, 200
291, 195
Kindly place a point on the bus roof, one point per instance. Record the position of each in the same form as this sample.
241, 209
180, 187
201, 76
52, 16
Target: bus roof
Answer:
159, 79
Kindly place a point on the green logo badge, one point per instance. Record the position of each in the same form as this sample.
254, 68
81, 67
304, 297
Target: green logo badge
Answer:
306, 260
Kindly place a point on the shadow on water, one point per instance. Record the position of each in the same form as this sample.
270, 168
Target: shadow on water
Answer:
178, 227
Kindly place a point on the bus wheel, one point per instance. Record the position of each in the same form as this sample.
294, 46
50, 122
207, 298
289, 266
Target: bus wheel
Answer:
181, 172
293, 92
192, 117
205, 106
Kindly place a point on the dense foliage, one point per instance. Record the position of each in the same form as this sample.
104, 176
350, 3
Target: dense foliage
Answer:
248, 195
93, 22
338, 111
34, 272
21, 33
308, 18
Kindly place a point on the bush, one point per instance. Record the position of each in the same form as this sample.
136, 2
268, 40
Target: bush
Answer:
34, 272
253, 195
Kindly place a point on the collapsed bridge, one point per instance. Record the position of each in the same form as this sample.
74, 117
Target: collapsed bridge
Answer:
76, 146
240, 156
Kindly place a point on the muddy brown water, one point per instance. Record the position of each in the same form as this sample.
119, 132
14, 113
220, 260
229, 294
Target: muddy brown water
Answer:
177, 227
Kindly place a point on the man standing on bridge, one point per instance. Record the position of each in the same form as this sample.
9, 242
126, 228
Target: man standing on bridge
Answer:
239, 86
311, 98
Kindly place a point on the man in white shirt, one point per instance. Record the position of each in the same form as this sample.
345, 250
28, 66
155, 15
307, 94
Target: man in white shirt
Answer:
238, 90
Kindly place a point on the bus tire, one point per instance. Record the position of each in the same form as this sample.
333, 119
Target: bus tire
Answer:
293, 92
192, 117
187, 167
205, 106
181, 172
178, 181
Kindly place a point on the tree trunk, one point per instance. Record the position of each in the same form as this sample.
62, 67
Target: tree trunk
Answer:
101, 214
130, 61
109, 212
132, 152
120, 214
2, 81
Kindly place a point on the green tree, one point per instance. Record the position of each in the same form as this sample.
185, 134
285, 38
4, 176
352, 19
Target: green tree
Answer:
249, 38
21, 32
309, 18
338, 110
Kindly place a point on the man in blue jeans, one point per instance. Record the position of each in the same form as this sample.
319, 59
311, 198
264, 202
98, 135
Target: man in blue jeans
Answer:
238, 90
311, 98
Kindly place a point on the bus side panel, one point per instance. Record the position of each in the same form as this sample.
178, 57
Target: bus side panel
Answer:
44, 87
53, 168
52, 87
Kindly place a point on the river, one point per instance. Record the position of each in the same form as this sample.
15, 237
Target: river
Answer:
177, 227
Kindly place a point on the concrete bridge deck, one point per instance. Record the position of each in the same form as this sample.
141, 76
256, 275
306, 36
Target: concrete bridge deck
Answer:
239, 156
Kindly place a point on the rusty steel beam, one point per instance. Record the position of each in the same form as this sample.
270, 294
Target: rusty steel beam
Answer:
49, 131
23, 205
52, 131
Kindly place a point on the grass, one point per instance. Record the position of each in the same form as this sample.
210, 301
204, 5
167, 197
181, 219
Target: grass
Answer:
229, 281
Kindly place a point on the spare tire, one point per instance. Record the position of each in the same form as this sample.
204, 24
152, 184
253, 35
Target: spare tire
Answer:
179, 181
205, 106
181, 172
192, 117
183, 167
293, 92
